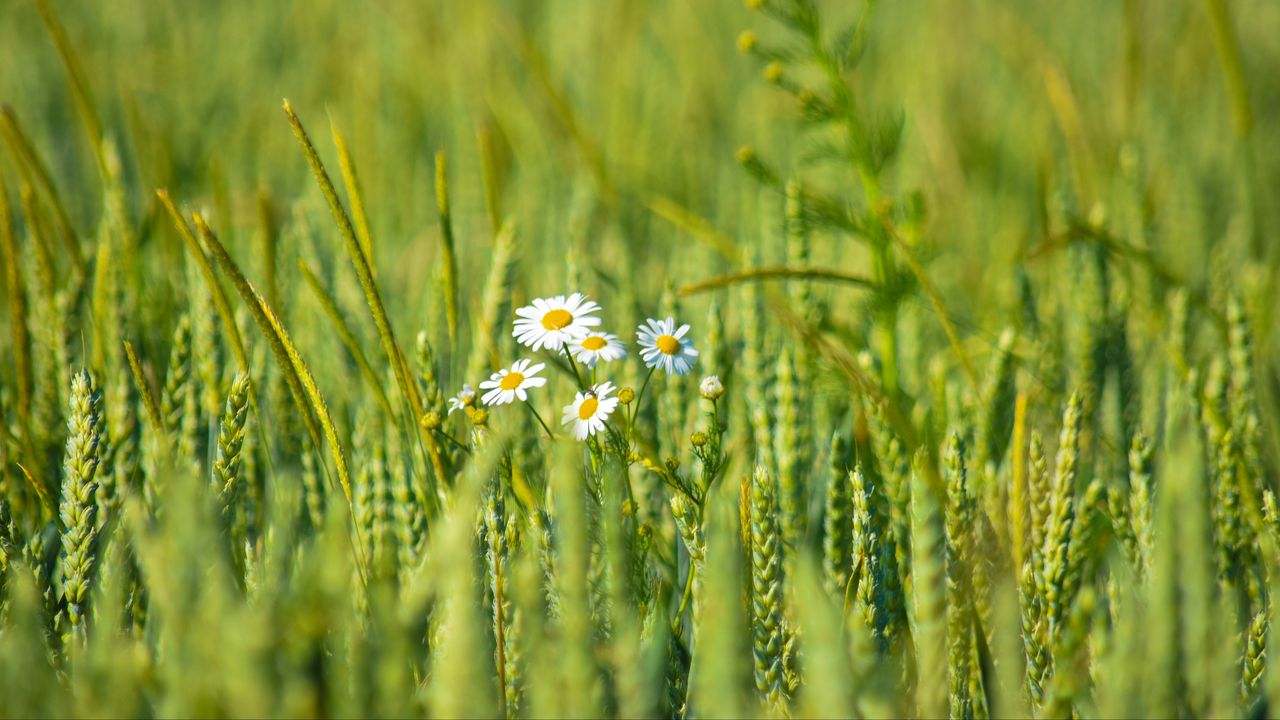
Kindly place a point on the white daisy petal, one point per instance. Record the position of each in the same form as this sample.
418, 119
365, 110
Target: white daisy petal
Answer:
552, 322
508, 384
586, 415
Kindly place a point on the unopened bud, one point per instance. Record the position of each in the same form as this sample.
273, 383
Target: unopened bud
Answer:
698, 439
431, 420
626, 395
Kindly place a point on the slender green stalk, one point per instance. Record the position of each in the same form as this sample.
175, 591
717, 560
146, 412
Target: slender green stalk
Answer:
448, 259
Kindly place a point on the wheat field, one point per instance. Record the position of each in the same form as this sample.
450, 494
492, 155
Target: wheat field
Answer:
794, 358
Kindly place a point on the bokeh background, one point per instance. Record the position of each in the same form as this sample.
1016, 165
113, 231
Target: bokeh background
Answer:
1155, 120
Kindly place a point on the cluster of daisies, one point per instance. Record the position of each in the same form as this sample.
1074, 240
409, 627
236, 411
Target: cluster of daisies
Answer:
568, 325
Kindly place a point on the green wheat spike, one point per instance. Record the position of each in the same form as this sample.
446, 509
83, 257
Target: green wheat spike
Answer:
836, 527
407, 507
1070, 675
178, 401
77, 509
1243, 401
498, 572
787, 451
10, 545
231, 432
432, 394
1035, 634
1040, 499
313, 491
206, 347
1062, 517
1140, 499
893, 468
768, 636
929, 598
878, 585
960, 516
1232, 553
997, 403
125, 433
1253, 661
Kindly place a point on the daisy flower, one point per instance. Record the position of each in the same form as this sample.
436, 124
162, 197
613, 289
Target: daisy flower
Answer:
464, 399
596, 346
664, 346
551, 322
588, 411
508, 384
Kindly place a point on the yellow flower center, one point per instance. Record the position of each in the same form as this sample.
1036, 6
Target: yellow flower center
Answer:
595, 342
668, 345
557, 319
588, 408
511, 381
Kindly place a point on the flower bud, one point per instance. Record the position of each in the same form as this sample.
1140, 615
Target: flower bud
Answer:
711, 388
431, 420
480, 417
699, 439
773, 72
747, 41
626, 395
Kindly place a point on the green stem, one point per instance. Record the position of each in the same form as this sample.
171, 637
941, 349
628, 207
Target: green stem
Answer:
684, 600
574, 366
550, 435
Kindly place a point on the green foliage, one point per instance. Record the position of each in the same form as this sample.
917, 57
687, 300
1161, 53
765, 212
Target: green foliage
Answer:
989, 309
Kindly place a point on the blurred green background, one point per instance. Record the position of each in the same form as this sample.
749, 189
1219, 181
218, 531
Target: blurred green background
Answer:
1015, 115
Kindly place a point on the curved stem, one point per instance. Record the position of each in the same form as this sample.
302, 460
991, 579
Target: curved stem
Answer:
574, 365
550, 435
684, 600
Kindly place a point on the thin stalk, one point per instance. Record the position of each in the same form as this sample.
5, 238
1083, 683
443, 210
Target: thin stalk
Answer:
541, 422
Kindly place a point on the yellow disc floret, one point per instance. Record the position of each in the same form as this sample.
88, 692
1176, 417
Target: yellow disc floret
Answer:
511, 381
557, 319
588, 408
668, 344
